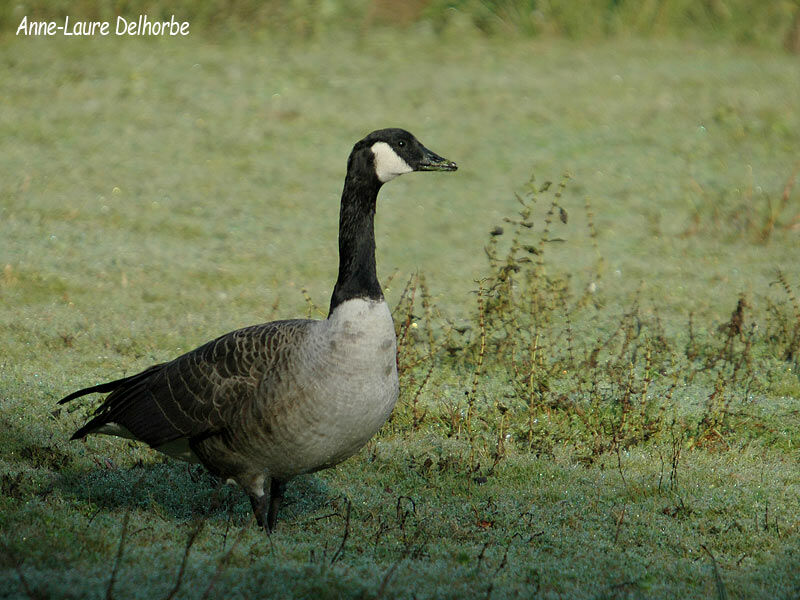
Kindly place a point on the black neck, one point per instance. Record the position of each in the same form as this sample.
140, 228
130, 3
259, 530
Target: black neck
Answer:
357, 276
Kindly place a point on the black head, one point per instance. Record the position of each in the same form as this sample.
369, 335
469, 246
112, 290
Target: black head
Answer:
387, 153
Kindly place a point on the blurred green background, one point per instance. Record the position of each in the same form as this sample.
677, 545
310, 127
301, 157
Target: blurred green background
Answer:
157, 192
770, 23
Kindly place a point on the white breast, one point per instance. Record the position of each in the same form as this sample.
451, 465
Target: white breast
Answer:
341, 394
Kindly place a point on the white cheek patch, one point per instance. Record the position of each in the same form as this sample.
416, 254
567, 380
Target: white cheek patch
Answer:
388, 164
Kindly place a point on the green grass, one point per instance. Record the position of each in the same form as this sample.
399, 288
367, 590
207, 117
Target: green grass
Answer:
158, 193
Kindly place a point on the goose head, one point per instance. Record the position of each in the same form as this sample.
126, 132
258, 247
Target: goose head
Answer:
386, 153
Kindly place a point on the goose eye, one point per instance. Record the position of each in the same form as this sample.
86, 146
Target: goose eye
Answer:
401, 143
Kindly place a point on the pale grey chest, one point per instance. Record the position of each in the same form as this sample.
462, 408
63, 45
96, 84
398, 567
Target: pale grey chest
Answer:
341, 388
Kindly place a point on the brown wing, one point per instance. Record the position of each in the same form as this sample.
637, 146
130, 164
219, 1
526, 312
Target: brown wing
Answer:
197, 394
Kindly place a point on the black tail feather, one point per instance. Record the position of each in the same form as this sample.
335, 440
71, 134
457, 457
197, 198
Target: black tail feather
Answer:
83, 431
95, 389
109, 386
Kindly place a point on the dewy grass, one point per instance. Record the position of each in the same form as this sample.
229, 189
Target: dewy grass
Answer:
602, 407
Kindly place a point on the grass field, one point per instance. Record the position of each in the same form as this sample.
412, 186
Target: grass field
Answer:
584, 418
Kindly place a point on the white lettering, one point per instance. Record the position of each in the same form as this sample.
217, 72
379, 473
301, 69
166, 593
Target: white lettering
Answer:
124, 27
36, 27
85, 28
140, 26
144, 26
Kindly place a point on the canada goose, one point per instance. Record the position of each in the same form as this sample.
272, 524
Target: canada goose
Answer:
272, 401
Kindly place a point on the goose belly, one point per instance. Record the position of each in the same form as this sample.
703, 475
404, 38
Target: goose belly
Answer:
343, 389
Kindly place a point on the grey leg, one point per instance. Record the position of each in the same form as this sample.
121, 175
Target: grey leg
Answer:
276, 489
259, 504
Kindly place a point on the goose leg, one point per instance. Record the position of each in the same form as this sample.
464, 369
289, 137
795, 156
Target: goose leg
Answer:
276, 489
259, 504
